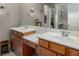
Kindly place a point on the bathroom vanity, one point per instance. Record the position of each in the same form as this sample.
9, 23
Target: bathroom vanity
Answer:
53, 44
16, 41
26, 41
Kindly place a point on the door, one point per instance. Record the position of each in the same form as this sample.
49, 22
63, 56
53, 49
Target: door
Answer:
73, 16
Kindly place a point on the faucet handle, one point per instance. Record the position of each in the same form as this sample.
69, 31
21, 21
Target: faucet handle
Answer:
65, 33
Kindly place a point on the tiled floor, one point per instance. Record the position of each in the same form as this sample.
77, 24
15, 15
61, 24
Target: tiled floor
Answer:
13, 54
9, 54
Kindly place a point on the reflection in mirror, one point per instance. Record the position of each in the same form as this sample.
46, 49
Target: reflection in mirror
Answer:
73, 16
31, 12
62, 16
53, 15
57, 15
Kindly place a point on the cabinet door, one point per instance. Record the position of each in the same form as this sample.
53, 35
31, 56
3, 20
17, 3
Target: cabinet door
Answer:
12, 44
29, 43
57, 48
44, 43
19, 46
16, 45
38, 50
46, 52
73, 52
27, 51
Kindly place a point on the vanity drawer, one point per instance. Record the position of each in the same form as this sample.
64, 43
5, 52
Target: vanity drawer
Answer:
46, 52
26, 33
58, 48
43, 43
29, 43
73, 52
29, 33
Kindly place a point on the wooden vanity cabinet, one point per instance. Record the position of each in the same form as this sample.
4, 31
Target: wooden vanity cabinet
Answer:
38, 50
16, 41
44, 48
43, 43
73, 52
19, 46
27, 51
46, 52
29, 43
57, 48
12, 40
26, 33
49, 48
59, 54
29, 47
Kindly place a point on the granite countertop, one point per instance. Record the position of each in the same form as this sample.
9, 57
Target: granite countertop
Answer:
33, 38
70, 41
23, 29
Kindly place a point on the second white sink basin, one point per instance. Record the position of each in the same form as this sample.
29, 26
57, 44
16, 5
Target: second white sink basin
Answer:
69, 41
52, 36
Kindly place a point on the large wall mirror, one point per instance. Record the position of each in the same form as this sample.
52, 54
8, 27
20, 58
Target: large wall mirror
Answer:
53, 15
62, 16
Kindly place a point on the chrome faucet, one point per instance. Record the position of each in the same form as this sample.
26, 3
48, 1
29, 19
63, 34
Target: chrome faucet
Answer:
65, 33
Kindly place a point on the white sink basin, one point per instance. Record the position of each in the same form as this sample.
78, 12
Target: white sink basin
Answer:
69, 41
23, 29
58, 37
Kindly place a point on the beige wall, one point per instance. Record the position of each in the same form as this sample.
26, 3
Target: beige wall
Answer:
27, 18
8, 20
19, 14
